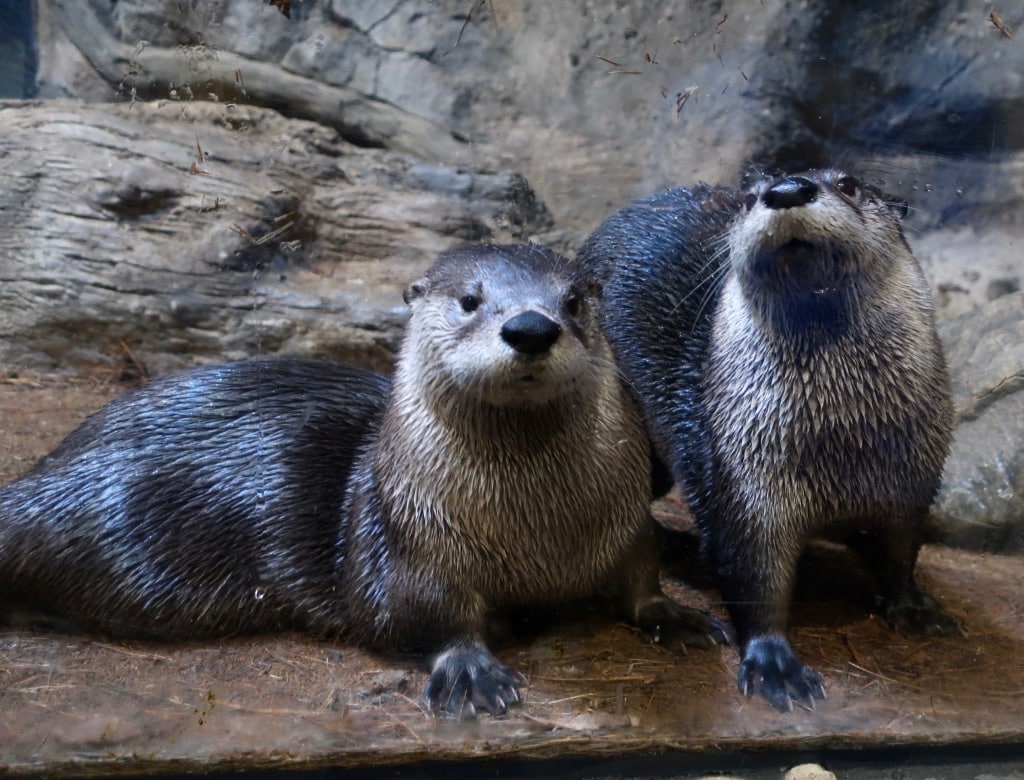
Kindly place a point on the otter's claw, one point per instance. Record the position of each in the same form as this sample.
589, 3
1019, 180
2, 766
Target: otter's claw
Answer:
920, 613
667, 622
466, 678
770, 668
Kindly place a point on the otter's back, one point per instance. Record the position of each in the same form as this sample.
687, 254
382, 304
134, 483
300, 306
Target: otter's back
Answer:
222, 480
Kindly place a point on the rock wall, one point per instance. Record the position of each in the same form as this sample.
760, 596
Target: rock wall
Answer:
597, 101
981, 504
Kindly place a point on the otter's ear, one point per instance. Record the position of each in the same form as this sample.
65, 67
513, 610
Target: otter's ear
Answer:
415, 290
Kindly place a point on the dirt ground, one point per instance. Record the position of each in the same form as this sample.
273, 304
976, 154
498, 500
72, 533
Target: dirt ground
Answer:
78, 704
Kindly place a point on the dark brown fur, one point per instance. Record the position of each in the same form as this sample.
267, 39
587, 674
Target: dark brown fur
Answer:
502, 469
784, 346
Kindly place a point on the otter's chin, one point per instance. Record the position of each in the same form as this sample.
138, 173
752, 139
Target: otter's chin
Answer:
526, 391
804, 266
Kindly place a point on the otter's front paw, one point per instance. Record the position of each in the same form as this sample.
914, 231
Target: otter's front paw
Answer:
669, 623
466, 678
770, 668
920, 613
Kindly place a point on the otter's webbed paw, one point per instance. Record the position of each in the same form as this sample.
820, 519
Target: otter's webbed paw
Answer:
667, 622
770, 668
466, 678
920, 613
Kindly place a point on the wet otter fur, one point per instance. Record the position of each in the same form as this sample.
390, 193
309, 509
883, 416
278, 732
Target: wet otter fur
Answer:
502, 468
201, 504
783, 343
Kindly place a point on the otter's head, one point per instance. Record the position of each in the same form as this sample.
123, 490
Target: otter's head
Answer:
810, 248
506, 325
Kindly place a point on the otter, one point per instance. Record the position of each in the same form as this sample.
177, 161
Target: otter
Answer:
783, 344
502, 468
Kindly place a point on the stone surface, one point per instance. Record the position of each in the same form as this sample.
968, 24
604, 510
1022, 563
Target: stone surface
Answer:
980, 505
596, 102
808, 772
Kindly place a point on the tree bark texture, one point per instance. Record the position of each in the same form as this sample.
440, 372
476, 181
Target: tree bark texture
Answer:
204, 230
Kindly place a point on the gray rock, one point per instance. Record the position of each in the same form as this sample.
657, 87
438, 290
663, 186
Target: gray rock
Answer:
232, 54
585, 97
960, 285
808, 772
981, 502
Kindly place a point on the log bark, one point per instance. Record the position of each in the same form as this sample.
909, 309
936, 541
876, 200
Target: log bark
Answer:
187, 231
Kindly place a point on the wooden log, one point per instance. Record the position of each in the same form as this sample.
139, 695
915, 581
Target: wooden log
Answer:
199, 230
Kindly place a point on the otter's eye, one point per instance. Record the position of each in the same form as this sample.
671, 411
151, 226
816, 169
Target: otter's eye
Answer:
469, 303
847, 185
750, 200
573, 305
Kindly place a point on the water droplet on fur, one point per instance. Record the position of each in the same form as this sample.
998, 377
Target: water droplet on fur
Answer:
260, 593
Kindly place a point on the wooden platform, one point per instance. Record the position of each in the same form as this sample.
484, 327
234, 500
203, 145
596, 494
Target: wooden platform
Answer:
82, 705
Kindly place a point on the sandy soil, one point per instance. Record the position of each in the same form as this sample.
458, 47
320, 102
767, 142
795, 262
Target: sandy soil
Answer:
594, 687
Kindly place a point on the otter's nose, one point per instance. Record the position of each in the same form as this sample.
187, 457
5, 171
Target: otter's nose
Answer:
531, 333
790, 192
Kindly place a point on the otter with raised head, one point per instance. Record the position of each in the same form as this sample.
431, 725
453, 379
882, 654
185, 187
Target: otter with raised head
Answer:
502, 468
782, 341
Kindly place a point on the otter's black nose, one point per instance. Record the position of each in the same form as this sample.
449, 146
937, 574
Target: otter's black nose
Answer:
790, 192
530, 333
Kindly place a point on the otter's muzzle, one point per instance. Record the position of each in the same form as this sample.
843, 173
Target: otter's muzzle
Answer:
531, 333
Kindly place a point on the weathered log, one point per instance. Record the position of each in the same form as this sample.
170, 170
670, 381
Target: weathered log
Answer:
187, 230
